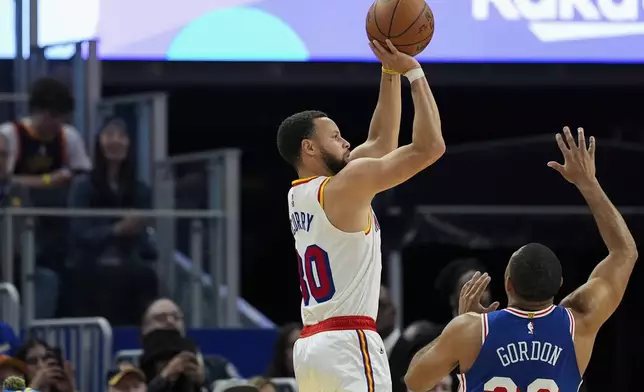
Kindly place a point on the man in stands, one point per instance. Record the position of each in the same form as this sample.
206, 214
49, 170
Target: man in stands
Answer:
165, 315
44, 151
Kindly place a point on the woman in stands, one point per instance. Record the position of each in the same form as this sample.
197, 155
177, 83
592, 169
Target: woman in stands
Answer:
46, 369
111, 252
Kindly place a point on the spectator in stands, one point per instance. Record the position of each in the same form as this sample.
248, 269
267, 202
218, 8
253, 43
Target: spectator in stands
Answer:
448, 284
11, 367
15, 194
112, 184
400, 346
44, 151
171, 363
453, 276
110, 251
43, 154
263, 384
282, 362
46, 369
126, 378
164, 314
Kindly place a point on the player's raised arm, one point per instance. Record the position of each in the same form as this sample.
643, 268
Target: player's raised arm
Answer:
362, 178
385, 123
439, 358
595, 301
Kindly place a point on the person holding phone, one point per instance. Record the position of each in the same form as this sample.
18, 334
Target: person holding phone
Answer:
46, 369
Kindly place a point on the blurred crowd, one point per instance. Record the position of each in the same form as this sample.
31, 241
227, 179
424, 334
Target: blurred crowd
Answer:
44, 163
168, 362
171, 362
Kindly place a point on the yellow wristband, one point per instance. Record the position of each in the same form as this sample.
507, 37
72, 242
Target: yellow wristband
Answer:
388, 71
46, 179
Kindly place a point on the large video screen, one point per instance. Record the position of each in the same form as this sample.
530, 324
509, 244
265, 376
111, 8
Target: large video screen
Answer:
604, 31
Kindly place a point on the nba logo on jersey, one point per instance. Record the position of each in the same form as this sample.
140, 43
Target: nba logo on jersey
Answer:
530, 328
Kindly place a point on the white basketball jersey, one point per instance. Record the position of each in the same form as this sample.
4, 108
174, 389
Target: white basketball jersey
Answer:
339, 271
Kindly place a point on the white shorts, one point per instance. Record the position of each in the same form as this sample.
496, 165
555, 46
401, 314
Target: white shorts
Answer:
339, 361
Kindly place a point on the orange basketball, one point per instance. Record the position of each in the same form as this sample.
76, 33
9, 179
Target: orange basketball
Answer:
409, 24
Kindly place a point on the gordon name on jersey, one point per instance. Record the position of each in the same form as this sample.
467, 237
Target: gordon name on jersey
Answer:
529, 351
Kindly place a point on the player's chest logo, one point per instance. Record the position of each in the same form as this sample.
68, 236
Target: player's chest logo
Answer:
530, 328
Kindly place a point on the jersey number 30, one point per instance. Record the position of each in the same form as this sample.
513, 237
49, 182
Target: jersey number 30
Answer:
505, 384
315, 275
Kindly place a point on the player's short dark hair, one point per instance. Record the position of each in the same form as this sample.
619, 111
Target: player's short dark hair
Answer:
293, 130
49, 94
447, 279
535, 273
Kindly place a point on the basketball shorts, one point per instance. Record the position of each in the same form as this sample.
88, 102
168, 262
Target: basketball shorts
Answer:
341, 354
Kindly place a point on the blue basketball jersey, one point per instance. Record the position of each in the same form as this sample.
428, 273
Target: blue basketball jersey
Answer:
525, 352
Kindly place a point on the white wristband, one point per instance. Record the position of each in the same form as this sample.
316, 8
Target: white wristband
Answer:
414, 74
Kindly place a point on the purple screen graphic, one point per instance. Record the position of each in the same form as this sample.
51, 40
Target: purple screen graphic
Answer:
600, 31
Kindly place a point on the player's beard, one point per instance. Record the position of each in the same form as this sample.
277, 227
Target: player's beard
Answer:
332, 163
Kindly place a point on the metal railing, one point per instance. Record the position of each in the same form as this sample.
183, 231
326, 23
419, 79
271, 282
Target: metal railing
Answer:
220, 173
85, 342
10, 306
394, 258
28, 244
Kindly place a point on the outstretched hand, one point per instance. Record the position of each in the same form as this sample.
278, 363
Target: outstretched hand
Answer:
471, 293
579, 161
393, 59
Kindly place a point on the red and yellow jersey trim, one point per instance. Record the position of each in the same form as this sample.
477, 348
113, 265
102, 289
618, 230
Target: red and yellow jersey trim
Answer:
321, 191
301, 181
368, 229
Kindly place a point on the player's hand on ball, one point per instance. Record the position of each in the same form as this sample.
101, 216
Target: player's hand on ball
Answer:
579, 161
471, 293
393, 59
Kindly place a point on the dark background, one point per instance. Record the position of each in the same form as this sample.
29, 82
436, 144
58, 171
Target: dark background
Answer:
477, 103
249, 117
204, 118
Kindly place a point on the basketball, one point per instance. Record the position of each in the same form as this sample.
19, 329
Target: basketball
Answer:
409, 24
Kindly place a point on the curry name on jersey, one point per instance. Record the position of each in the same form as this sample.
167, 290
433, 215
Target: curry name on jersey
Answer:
525, 352
339, 271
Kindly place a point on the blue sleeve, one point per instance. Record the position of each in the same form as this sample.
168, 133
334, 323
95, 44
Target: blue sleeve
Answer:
88, 232
8, 340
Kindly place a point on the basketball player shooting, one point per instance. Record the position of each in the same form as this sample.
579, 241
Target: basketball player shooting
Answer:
337, 236
533, 345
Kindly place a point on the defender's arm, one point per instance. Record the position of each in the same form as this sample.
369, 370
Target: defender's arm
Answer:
363, 178
598, 299
440, 357
385, 123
